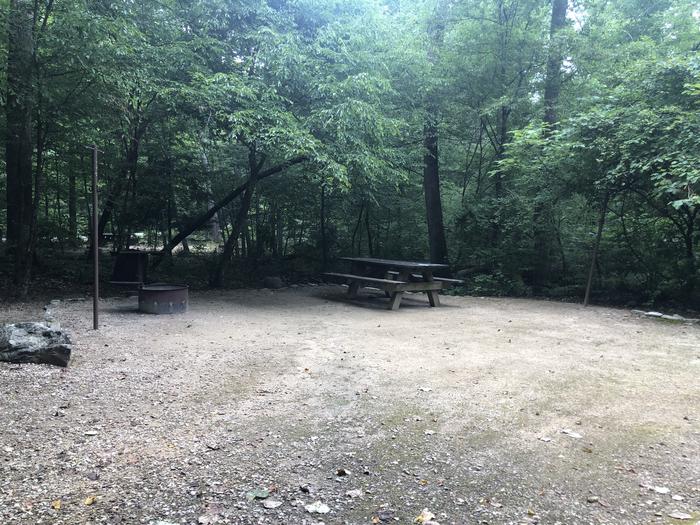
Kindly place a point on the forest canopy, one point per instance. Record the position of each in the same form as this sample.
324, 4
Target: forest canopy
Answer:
524, 142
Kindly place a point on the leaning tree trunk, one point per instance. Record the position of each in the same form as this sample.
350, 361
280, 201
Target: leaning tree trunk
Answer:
205, 217
18, 142
240, 222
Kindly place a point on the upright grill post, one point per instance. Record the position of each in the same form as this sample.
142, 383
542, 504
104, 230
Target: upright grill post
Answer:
95, 243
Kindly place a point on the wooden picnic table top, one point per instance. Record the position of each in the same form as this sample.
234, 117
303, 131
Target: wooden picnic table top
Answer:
389, 263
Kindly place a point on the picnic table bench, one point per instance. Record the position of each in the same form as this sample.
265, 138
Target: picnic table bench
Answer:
396, 278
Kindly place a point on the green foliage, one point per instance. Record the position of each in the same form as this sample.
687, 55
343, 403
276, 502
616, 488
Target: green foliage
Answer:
181, 96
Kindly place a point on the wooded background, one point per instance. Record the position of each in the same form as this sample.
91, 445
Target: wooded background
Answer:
511, 138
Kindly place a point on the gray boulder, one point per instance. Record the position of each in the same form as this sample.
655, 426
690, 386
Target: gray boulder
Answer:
34, 343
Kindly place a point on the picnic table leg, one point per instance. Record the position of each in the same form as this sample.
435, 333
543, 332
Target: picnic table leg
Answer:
353, 289
433, 296
388, 275
396, 297
395, 300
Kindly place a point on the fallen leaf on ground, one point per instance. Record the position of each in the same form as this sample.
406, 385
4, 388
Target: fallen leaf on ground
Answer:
89, 500
425, 516
56, 504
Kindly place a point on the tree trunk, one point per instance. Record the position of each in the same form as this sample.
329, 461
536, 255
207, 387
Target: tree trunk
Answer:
691, 263
431, 168
324, 240
357, 228
18, 142
542, 213
596, 247
72, 206
552, 83
204, 218
431, 188
370, 246
240, 222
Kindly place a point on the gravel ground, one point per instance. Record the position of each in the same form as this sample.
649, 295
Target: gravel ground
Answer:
483, 411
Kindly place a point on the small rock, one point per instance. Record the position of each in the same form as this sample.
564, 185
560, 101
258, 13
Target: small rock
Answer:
571, 433
661, 490
258, 494
271, 504
429, 432
355, 493
384, 516
317, 508
342, 472
593, 499
677, 515
90, 433
676, 497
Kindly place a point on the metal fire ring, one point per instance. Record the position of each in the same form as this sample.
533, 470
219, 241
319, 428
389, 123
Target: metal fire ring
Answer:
161, 298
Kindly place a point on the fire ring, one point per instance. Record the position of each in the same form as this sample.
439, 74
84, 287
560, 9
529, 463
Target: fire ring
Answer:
161, 298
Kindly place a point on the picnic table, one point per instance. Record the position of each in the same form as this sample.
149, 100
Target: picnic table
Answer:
395, 278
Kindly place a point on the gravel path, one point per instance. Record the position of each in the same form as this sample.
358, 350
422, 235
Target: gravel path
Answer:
484, 411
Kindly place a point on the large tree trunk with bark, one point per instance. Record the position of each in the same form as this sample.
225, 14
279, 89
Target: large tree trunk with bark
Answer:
431, 166
543, 223
552, 83
18, 143
431, 188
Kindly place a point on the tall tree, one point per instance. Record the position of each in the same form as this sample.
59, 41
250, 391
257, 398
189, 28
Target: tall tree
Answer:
18, 142
543, 234
431, 162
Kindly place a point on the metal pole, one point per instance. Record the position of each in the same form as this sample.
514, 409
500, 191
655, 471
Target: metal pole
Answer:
95, 243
